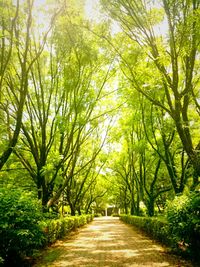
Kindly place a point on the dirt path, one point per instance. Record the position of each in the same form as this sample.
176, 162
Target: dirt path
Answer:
108, 242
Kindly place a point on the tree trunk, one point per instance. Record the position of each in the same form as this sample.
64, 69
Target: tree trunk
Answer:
150, 206
79, 210
132, 207
73, 210
125, 207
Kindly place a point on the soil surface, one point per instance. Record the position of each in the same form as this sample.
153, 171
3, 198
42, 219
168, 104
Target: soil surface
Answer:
108, 242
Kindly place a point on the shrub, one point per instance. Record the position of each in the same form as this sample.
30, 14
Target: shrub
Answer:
115, 215
20, 233
183, 214
1, 261
55, 229
155, 227
82, 220
96, 215
24, 228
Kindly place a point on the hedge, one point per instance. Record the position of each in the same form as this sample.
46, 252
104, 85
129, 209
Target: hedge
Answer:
58, 228
155, 227
24, 228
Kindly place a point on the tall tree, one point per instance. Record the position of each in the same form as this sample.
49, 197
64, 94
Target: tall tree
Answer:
16, 61
62, 112
161, 135
175, 57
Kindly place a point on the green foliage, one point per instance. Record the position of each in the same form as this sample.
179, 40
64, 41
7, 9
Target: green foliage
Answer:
24, 229
115, 215
181, 231
1, 261
97, 215
20, 232
58, 228
183, 214
155, 227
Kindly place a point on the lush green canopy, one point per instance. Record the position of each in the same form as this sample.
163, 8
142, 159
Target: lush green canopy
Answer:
100, 111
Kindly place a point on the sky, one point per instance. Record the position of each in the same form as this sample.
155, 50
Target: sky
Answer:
92, 12
92, 9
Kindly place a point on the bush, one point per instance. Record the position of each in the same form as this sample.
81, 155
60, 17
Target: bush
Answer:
55, 229
115, 215
155, 227
96, 215
183, 215
24, 228
1, 261
20, 233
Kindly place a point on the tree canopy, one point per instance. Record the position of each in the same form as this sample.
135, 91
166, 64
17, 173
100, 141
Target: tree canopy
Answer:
100, 111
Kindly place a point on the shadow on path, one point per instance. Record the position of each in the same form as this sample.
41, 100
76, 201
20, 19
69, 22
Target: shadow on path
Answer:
109, 242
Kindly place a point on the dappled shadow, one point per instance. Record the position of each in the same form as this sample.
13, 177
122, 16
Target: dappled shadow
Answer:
109, 242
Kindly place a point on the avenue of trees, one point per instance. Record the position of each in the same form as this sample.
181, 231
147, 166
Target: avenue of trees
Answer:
90, 116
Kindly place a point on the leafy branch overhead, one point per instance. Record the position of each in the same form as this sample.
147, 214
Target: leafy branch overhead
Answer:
100, 111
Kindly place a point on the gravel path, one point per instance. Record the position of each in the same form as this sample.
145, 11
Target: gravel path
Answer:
108, 242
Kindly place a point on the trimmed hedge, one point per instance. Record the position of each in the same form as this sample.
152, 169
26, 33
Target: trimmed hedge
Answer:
177, 230
55, 229
155, 227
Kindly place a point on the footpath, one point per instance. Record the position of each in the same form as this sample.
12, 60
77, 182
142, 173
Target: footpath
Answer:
108, 242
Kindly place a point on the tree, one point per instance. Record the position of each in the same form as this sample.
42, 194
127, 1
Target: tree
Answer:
174, 57
161, 135
62, 116
16, 61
